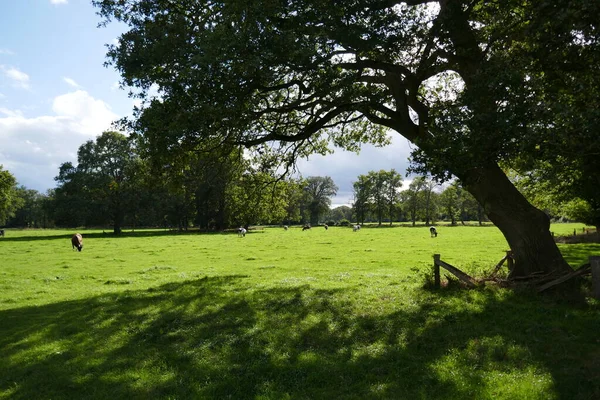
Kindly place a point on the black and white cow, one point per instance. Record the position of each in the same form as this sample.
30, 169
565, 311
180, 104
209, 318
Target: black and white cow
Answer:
433, 231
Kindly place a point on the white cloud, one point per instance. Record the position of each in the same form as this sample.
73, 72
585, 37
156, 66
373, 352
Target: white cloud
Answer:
59, 1
71, 82
32, 149
90, 116
11, 113
7, 52
19, 79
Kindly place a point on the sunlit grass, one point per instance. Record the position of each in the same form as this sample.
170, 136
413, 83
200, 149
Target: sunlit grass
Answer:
275, 315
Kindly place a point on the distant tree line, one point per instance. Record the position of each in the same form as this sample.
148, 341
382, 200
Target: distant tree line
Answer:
114, 186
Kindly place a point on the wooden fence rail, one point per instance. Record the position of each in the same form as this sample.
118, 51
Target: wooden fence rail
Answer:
510, 262
437, 263
592, 267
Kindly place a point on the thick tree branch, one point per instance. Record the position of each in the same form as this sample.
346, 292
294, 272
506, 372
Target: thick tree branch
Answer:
305, 133
377, 65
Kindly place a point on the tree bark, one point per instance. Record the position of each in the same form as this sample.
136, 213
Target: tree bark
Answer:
526, 229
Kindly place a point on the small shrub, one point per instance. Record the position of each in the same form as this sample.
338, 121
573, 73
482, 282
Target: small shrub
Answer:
344, 222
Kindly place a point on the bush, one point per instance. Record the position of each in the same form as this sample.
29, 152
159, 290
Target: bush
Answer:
330, 223
344, 222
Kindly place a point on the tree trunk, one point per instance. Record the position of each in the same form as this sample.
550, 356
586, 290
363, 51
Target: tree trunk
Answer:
480, 214
526, 229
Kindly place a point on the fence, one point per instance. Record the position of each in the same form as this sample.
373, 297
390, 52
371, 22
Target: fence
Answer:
593, 268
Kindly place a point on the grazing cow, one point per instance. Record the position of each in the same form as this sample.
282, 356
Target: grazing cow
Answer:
2, 232
326, 227
77, 242
356, 227
305, 227
285, 227
433, 231
241, 232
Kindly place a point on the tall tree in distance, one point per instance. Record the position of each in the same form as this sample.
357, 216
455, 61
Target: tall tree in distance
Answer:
302, 73
377, 191
413, 198
450, 202
102, 186
392, 184
430, 200
318, 191
362, 197
293, 194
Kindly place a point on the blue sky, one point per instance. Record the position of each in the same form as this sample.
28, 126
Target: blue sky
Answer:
55, 94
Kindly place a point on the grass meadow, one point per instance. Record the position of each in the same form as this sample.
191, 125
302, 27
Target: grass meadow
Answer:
321, 314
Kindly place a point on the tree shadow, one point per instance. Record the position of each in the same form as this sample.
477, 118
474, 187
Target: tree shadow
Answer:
217, 338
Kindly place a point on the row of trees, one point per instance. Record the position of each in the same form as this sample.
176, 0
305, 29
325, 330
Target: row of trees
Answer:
378, 196
112, 185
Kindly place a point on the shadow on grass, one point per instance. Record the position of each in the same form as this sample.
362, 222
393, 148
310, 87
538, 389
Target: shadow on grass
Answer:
216, 338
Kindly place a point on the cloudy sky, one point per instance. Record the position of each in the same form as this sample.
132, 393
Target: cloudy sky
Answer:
55, 94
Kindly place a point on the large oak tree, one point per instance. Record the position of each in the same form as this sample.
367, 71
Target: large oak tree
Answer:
451, 76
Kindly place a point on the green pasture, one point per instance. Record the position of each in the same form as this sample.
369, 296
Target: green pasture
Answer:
320, 314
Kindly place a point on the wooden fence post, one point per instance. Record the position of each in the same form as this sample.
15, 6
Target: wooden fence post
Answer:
436, 271
595, 266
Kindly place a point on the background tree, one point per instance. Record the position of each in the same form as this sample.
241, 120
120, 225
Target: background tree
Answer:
31, 214
256, 199
340, 213
430, 201
301, 73
10, 201
554, 198
70, 204
413, 199
450, 203
362, 197
318, 191
293, 194
102, 187
377, 191
393, 184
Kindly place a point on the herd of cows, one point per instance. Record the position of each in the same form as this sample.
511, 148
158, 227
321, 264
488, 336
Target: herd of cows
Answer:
77, 239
